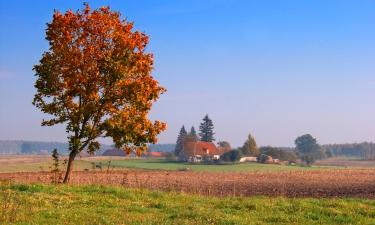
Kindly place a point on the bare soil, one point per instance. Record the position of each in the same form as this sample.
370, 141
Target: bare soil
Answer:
315, 183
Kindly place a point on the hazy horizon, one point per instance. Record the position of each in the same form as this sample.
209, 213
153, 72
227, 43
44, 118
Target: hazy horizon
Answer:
274, 69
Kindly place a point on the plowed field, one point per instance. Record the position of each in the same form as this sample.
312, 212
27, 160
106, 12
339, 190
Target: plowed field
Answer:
324, 183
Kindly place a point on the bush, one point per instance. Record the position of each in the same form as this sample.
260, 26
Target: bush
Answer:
263, 158
232, 156
280, 154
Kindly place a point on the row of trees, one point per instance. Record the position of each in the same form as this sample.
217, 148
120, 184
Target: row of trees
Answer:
249, 148
365, 150
307, 150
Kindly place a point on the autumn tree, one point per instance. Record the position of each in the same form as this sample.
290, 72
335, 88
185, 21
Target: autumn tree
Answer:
250, 148
206, 130
180, 141
96, 79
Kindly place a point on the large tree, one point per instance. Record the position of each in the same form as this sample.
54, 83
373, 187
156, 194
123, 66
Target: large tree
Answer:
96, 79
250, 148
206, 130
180, 141
308, 148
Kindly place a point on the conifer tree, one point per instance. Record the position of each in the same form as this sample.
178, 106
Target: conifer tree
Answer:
206, 129
193, 135
180, 141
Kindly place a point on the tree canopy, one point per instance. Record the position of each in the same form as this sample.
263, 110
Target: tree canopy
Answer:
225, 145
308, 148
250, 148
192, 135
278, 153
206, 130
180, 141
306, 144
96, 79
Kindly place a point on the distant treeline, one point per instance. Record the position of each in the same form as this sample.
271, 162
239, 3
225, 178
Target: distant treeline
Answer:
365, 150
36, 147
40, 147
161, 147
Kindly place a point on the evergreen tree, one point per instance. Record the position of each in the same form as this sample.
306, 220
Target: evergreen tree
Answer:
180, 141
250, 148
192, 135
206, 129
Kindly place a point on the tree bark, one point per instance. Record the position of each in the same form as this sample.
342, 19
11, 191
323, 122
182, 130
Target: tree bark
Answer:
69, 169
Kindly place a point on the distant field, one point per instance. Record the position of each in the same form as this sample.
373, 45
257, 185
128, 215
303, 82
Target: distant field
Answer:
40, 204
346, 162
33, 163
43, 163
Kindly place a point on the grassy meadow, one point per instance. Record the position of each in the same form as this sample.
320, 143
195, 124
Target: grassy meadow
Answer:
34, 164
64, 204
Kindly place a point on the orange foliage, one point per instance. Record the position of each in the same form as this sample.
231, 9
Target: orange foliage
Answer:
96, 78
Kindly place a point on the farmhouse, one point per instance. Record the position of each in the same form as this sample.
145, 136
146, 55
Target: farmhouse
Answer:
200, 151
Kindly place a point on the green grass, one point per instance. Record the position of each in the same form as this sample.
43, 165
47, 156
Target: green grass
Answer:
47, 204
161, 164
151, 164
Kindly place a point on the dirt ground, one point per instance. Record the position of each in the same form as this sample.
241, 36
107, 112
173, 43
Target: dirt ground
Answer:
320, 183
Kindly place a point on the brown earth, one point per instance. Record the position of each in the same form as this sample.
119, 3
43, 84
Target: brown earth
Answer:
324, 183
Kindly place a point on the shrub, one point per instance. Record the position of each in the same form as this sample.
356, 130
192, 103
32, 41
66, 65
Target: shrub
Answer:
280, 154
263, 158
232, 156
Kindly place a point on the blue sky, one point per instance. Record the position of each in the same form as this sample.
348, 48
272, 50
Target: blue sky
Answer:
276, 69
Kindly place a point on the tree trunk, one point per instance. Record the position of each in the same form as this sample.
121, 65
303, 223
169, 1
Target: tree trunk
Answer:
69, 169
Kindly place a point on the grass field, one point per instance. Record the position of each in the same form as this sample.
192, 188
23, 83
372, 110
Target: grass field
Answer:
47, 204
160, 164
43, 163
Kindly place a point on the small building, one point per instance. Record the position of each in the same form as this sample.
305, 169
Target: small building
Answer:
200, 151
248, 159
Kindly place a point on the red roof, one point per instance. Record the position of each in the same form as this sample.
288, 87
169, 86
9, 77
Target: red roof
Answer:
201, 148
